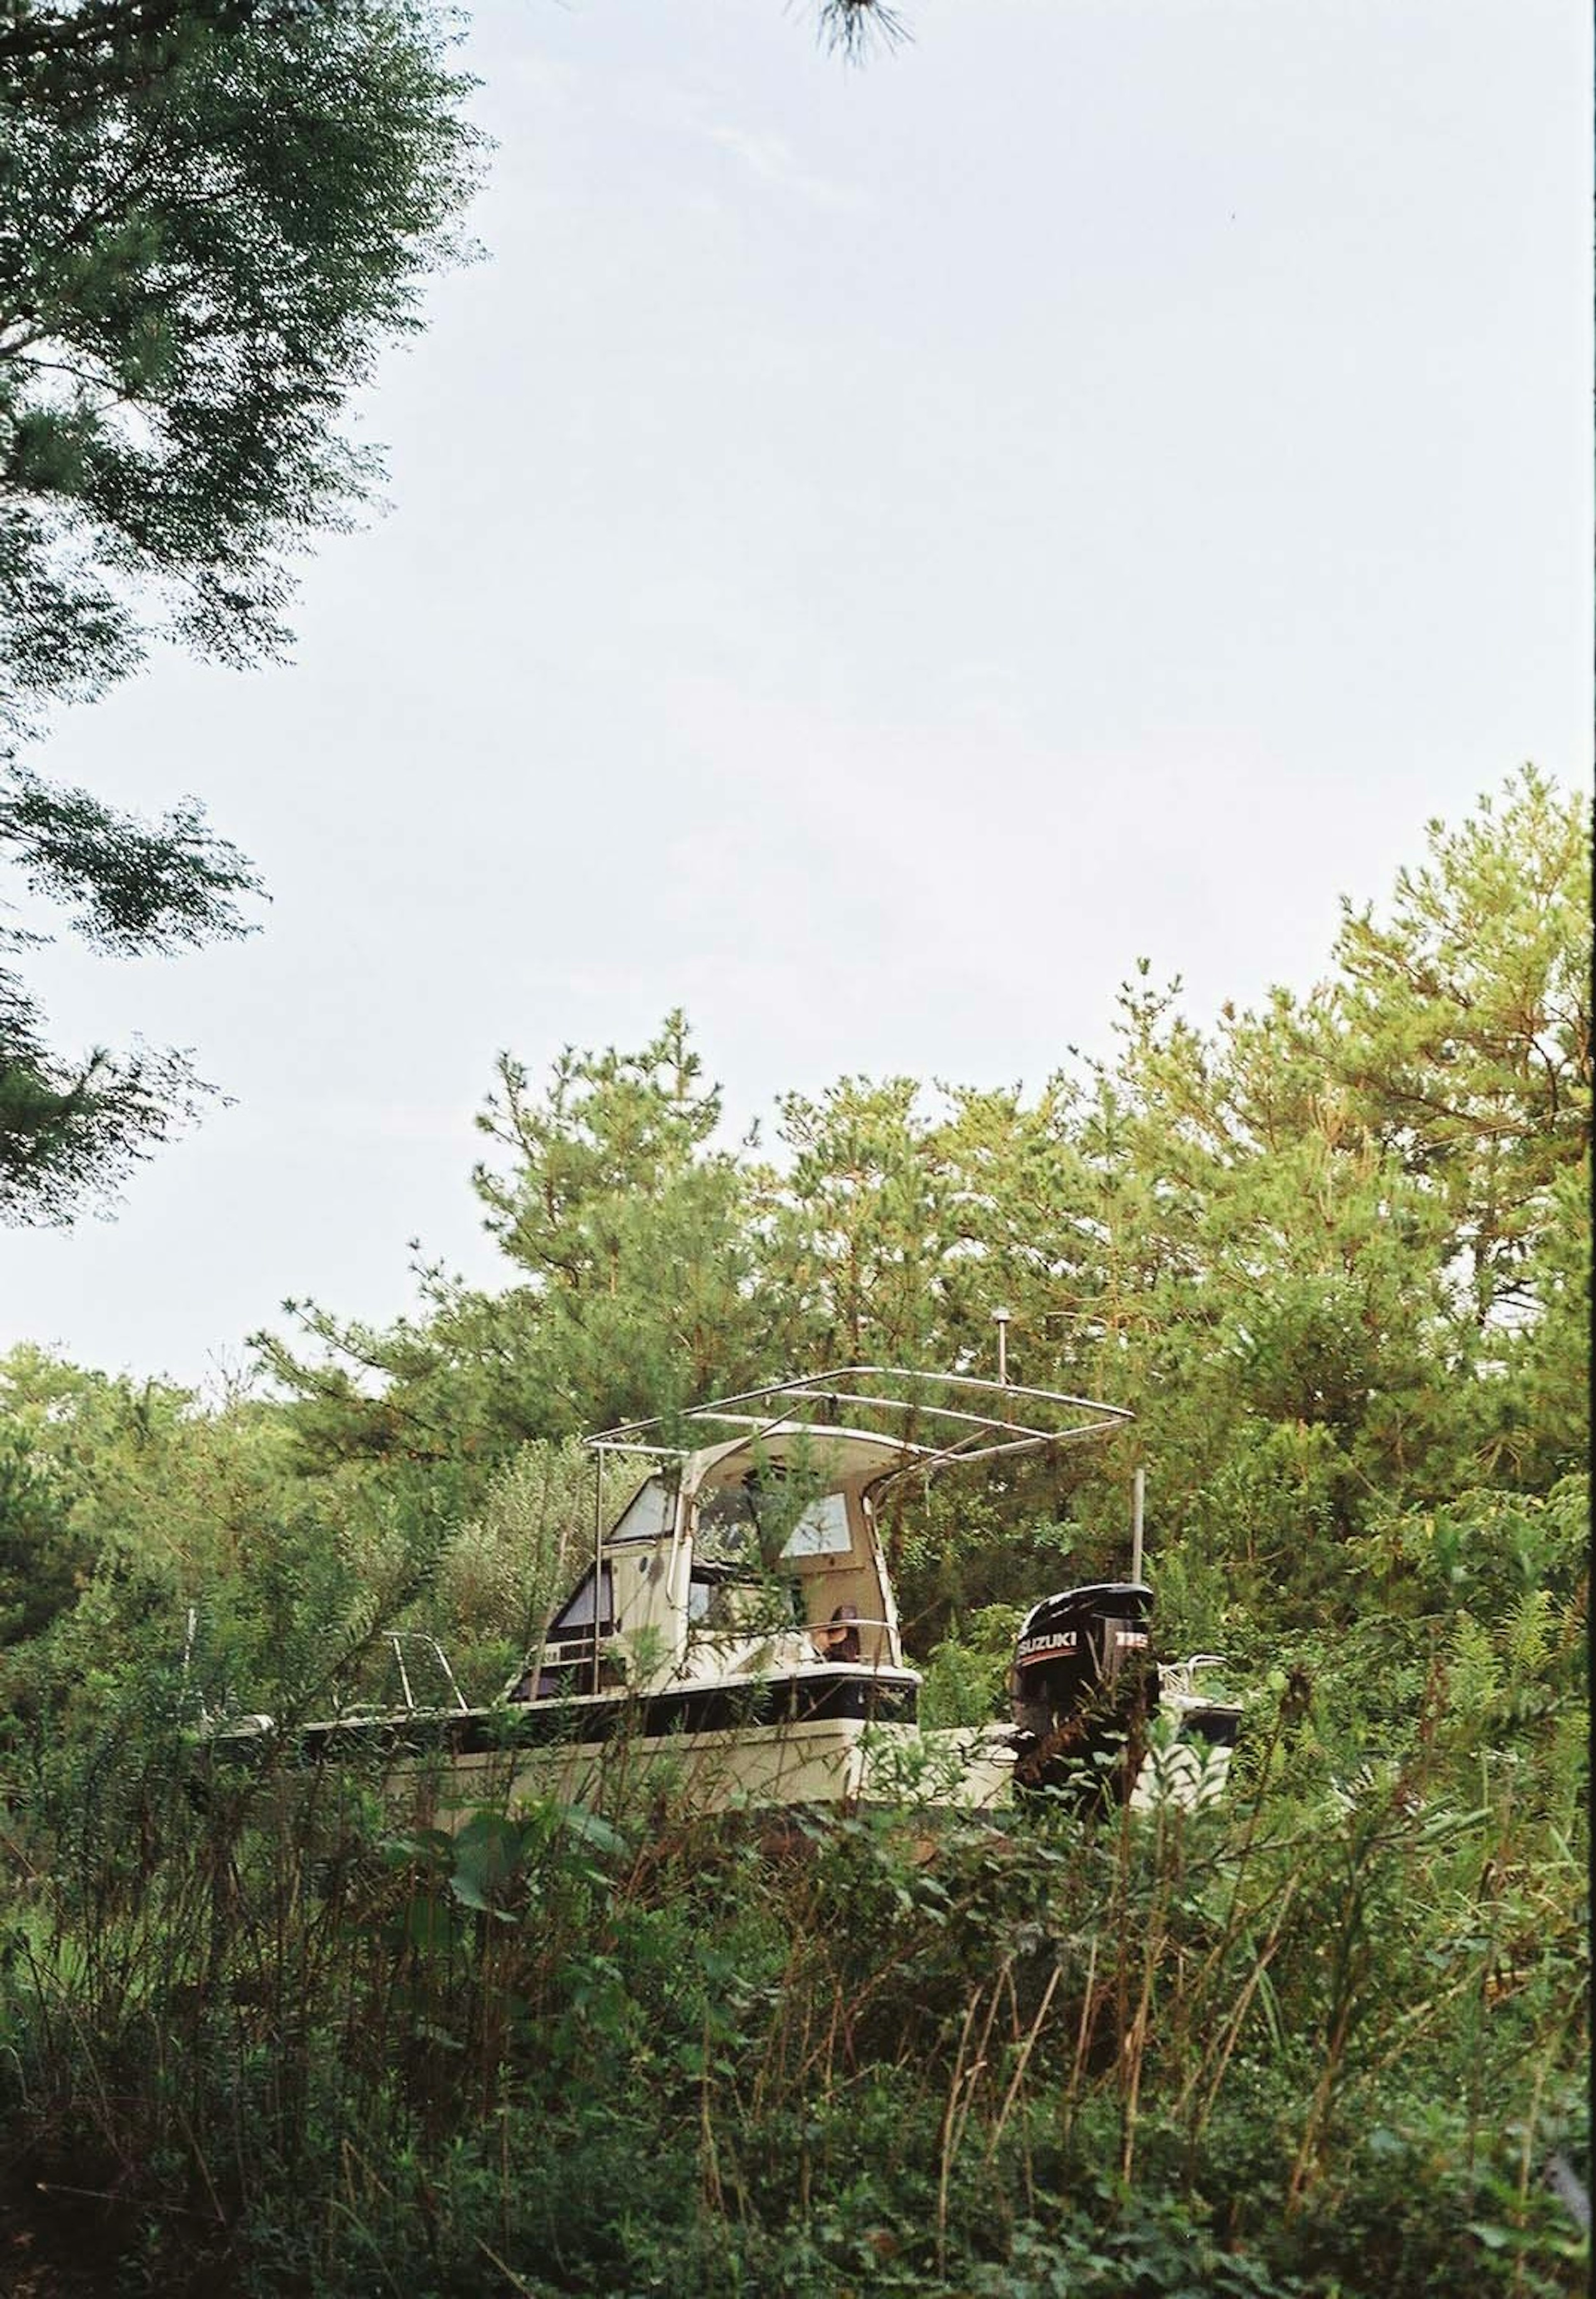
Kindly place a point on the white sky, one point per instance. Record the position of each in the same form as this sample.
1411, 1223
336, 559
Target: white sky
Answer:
871, 554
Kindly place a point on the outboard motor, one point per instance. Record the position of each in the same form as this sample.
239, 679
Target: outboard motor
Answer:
1083, 1687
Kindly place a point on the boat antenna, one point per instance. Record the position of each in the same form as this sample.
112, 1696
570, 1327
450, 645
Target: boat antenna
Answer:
1138, 1500
1000, 1318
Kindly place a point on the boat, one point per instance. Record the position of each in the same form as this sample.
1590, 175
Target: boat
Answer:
732, 1636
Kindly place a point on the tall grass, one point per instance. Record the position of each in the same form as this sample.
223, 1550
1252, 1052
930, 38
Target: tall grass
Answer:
1323, 2039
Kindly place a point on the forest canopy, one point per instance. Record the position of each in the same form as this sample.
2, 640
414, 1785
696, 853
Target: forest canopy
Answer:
1329, 1250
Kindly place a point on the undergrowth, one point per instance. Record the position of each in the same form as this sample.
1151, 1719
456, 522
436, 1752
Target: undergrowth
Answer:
1323, 2039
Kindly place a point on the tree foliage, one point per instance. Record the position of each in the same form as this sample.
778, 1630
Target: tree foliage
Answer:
215, 218
69, 1130
1465, 1028
637, 1276
213, 214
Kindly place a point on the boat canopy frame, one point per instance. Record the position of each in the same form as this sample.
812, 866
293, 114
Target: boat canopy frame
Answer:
958, 1432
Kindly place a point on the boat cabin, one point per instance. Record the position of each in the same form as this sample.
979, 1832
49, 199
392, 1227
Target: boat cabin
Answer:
755, 1557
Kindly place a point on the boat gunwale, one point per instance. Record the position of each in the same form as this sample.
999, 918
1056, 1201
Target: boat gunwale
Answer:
818, 1692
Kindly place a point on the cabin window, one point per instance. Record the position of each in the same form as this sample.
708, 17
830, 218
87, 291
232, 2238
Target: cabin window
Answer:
822, 1530
649, 1515
576, 1612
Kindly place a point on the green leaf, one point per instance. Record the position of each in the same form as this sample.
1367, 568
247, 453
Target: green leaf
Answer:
594, 1828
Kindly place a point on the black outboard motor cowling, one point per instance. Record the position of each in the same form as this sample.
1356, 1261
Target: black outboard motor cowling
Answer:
1084, 1687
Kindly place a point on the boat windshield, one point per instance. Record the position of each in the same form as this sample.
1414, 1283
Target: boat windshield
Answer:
744, 1523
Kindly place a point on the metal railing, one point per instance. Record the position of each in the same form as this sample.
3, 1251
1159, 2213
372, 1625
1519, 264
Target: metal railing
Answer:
937, 1422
